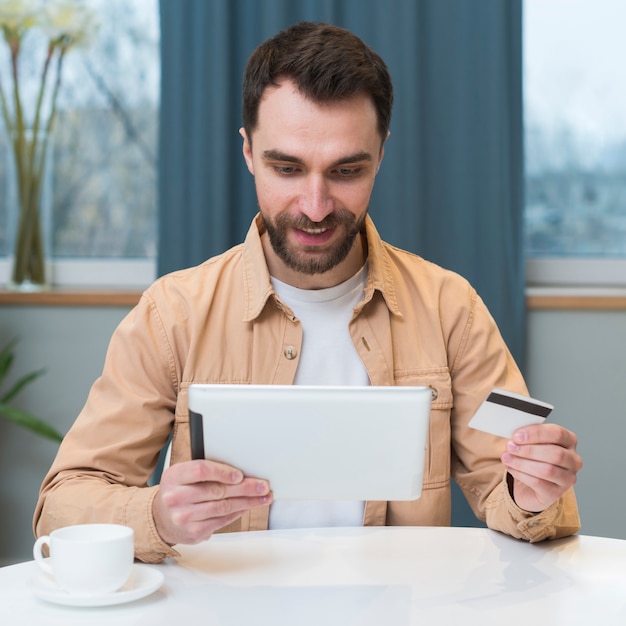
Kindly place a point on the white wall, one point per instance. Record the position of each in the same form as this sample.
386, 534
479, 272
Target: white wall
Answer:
70, 343
577, 360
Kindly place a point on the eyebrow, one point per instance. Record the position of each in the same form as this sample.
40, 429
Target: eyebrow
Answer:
277, 155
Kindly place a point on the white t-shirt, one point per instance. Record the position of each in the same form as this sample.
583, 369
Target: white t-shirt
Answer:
328, 357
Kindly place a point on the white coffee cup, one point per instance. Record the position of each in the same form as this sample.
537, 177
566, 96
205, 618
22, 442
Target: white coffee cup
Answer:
88, 559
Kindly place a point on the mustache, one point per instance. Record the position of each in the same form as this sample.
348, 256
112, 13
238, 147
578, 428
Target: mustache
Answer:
302, 222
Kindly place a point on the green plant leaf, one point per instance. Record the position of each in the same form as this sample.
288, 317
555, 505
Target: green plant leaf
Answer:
13, 414
20, 384
25, 419
6, 358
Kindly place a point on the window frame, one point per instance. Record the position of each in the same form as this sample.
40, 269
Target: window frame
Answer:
551, 274
87, 273
575, 272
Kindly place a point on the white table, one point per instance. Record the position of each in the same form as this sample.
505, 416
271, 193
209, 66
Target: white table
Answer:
361, 576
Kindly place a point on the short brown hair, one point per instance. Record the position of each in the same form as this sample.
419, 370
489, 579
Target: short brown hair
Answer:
327, 63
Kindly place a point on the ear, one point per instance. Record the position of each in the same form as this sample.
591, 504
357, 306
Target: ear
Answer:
247, 151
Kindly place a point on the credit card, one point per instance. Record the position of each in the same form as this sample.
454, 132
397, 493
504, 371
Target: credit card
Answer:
503, 412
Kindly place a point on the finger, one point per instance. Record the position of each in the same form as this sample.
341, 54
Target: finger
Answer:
546, 434
546, 453
217, 509
189, 514
187, 495
534, 473
212, 491
199, 471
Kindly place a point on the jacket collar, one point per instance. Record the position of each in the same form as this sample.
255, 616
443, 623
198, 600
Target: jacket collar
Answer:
258, 287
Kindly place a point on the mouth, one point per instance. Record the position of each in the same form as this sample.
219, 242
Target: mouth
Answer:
313, 231
314, 236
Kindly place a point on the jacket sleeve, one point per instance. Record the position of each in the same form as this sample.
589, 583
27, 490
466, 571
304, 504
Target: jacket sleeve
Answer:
479, 362
558, 520
104, 463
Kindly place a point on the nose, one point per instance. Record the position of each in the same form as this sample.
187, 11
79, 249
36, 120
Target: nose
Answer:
316, 202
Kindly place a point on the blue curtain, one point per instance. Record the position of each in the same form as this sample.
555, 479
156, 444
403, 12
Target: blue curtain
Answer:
451, 186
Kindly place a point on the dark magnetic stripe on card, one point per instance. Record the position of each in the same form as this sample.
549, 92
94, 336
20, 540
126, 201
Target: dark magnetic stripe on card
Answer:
520, 405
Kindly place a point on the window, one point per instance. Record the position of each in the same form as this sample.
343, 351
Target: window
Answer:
104, 159
575, 134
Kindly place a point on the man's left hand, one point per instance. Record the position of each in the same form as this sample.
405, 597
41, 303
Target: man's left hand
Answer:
543, 462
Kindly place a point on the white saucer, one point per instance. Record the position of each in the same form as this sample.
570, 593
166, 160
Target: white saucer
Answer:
144, 580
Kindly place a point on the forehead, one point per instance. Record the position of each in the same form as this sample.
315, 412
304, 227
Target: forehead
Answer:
287, 118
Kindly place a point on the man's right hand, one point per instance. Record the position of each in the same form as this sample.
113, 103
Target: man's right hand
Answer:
198, 497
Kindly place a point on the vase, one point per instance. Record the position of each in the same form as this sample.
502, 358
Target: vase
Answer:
29, 205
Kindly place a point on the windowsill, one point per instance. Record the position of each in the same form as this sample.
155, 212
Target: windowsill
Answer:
72, 297
585, 298
576, 298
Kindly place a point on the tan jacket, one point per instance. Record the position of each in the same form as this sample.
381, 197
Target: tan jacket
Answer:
221, 322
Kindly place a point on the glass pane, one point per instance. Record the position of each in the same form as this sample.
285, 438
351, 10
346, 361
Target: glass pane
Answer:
105, 133
575, 128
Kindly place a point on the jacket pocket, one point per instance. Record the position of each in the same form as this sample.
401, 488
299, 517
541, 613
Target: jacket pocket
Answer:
437, 463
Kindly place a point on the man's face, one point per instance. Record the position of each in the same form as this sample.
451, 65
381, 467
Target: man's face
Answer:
314, 167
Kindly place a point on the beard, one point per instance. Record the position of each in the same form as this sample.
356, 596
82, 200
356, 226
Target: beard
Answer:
321, 261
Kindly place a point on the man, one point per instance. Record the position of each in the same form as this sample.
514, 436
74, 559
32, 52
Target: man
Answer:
317, 106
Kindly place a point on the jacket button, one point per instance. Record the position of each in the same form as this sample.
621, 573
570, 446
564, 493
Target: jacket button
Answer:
290, 352
434, 393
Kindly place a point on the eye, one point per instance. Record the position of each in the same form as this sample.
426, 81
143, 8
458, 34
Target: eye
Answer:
285, 170
348, 172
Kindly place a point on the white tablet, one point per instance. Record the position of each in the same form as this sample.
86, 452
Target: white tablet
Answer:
313, 442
